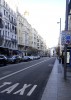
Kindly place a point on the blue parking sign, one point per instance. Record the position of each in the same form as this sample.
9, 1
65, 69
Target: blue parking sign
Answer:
68, 37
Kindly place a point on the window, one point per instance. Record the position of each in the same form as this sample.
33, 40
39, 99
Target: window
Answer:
37, 40
19, 31
0, 20
3, 32
9, 17
12, 19
38, 47
8, 34
15, 45
10, 45
12, 27
7, 14
4, 3
8, 25
4, 12
0, 32
12, 36
38, 44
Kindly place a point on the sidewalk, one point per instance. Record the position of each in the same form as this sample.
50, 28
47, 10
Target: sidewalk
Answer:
57, 88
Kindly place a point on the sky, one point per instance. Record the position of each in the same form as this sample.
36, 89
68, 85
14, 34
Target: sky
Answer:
43, 16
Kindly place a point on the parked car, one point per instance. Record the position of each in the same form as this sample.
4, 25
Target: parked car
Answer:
10, 59
14, 59
3, 60
26, 58
31, 57
37, 57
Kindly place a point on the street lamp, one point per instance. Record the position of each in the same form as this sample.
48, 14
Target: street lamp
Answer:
66, 22
60, 36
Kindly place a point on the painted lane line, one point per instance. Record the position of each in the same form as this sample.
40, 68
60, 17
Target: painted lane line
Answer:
21, 70
10, 65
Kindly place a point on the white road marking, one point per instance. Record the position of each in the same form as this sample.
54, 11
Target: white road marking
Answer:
21, 70
31, 91
5, 83
10, 89
21, 91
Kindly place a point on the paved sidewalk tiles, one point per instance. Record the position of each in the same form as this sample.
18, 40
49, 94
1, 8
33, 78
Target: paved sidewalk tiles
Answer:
57, 88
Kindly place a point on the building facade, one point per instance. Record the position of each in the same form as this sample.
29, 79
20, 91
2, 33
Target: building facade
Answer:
8, 31
16, 33
34, 38
20, 31
23, 31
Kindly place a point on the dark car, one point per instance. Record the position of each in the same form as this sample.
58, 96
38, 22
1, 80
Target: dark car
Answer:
14, 59
3, 60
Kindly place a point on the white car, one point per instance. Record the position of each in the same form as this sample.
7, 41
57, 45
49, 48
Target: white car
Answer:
26, 58
31, 57
36, 57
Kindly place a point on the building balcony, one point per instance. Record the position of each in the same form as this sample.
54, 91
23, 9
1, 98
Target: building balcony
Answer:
11, 30
15, 31
14, 40
1, 39
13, 22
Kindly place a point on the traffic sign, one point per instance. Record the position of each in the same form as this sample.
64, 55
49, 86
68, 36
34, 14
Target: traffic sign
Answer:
68, 37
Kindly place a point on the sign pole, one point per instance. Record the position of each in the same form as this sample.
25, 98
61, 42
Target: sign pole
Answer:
65, 60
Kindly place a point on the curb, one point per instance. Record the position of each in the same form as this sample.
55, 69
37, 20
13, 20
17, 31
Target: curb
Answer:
50, 92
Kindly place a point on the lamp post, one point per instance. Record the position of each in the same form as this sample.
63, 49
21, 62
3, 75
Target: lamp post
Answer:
66, 22
60, 36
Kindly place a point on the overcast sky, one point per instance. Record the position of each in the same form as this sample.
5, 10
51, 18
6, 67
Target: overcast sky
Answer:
43, 16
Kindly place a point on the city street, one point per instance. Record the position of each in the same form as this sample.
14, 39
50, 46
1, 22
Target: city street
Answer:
25, 80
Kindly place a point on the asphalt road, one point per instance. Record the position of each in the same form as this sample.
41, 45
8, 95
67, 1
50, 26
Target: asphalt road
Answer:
26, 80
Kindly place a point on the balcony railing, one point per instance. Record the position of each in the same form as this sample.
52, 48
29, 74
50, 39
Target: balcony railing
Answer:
1, 37
13, 40
13, 22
